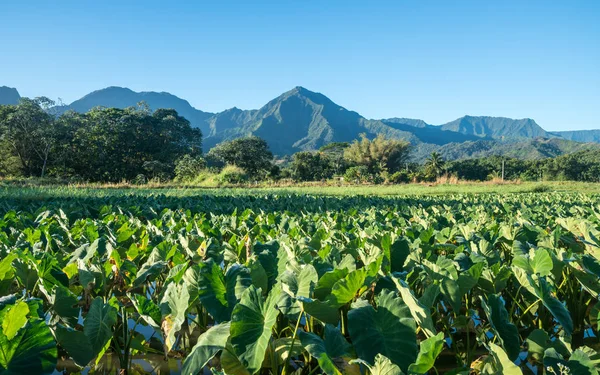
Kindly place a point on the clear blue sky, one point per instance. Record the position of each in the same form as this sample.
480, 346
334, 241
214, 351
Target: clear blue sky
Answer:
434, 60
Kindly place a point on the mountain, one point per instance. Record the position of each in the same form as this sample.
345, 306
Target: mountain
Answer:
301, 119
9, 96
580, 135
120, 97
497, 127
538, 148
297, 120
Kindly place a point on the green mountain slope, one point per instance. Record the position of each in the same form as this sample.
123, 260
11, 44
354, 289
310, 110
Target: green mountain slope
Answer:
527, 149
120, 97
497, 127
9, 96
301, 119
298, 120
580, 135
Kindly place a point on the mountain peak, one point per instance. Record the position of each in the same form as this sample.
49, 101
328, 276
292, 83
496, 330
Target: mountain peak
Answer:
9, 95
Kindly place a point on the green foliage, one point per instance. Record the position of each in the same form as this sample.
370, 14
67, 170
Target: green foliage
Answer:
250, 154
232, 174
272, 282
188, 167
378, 155
311, 166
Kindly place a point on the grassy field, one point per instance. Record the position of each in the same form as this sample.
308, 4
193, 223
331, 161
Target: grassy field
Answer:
30, 191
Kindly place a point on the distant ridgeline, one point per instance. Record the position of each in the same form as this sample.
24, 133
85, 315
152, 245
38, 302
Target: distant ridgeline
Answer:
302, 120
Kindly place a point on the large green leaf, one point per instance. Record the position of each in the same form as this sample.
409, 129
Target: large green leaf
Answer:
98, 324
429, 350
77, 344
326, 350
501, 364
382, 366
14, 319
208, 345
31, 351
421, 314
499, 320
390, 330
252, 320
173, 307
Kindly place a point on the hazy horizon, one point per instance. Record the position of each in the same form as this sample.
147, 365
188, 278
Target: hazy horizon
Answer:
435, 61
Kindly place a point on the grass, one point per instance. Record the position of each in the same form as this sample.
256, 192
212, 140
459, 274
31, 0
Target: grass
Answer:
24, 191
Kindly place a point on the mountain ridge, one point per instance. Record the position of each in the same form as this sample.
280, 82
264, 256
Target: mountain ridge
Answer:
301, 119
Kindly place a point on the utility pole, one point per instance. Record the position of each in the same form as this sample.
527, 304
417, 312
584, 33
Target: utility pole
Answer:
502, 170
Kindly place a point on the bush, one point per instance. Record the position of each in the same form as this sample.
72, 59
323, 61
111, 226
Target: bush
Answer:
188, 167
401, 177
357, 174
541, 189
232, 175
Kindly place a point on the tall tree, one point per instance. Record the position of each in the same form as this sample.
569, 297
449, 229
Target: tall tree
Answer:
435, 164
378, 155
27, 129
249, 153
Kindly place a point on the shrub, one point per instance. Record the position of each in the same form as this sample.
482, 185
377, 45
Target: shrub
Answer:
232, 175
188, 167
357, 174
541, 189
400, 177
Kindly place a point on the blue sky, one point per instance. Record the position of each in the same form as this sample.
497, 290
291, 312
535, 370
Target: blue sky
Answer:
433, 60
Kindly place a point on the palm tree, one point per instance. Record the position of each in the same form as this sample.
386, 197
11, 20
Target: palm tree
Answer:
435, 163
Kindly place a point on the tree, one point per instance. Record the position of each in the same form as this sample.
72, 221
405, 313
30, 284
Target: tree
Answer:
311, 166
335, 153
187, 167
27, 130
112, 144
435, 164
378, 155
249, 153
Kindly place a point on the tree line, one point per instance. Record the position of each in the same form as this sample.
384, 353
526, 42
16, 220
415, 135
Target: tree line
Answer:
138, 144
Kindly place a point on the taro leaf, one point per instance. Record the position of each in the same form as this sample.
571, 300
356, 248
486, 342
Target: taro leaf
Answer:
252, 320
207, 282
429, 350
323, 353
14, 319
296, 286
208, 345
321, 310
231, 363
7, 271
537, 343
502, 365
31, 351
148, 310
279, 351
580, 362
499, 320
65, 305
98, 324
399, 251
419, 312
542, 262
148, 271
542, 291
595, 316
258, 275
382, 366
556, 308
173, 307
76, 343
344, 290
389, 330
325, 283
